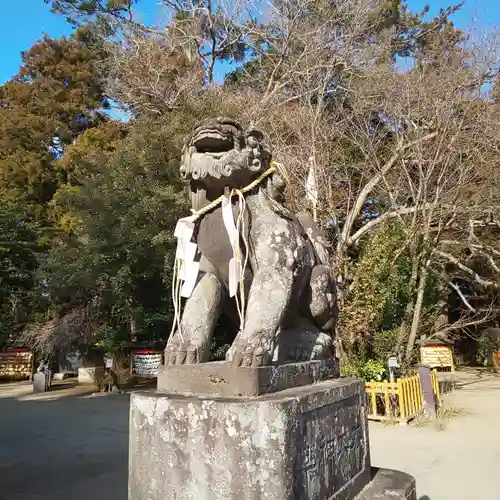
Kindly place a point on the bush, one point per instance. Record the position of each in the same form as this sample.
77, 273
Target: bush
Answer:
384, 342
372, 370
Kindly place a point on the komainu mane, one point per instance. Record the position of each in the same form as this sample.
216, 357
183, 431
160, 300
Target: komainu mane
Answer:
275, 262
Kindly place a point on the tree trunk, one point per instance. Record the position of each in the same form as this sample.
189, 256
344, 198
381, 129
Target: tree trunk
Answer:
417, 311
442, 320
409, 307
132, 321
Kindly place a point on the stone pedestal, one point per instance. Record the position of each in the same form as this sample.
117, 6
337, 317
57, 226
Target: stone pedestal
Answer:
40, 382
89, 375
221, 379
298, 443
303, 443
388, 484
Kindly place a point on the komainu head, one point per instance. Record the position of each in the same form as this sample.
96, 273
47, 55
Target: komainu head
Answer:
218, 154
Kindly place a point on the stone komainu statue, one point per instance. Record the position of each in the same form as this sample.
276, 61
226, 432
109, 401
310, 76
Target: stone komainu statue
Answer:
287, 285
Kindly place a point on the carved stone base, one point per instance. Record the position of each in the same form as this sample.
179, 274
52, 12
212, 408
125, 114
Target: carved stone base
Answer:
224, 380
389, 485
303, 443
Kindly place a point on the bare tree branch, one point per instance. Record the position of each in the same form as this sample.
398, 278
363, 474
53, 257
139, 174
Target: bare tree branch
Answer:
383, 218
369, 186
461, 295
478, 279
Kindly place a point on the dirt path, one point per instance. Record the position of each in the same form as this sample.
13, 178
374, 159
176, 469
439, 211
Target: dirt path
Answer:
460, 462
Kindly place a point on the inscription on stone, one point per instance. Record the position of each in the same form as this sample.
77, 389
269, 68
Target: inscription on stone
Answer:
329, 450
295, 377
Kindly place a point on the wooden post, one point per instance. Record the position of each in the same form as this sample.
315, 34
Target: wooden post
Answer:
401, 400
428, 398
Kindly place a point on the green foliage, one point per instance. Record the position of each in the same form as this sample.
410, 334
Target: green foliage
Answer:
373, 370
379, 293
213, 35
56, 96
74, 9
225, 332
91, 150
218, 349
111, 339
379, 306
117, 249
114, 251
383, 343
369, 370
412, 35
21, 247
484, 351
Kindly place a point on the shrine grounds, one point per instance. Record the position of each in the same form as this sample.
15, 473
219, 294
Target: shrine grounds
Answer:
64, 444
71, 444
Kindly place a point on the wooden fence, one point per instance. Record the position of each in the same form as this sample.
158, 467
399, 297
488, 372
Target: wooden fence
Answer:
398, 401
16, 364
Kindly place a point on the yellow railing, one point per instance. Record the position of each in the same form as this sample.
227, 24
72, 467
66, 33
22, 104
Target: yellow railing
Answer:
400, 401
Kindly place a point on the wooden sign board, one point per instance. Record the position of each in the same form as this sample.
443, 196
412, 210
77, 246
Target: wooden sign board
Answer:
16, 364
437, 356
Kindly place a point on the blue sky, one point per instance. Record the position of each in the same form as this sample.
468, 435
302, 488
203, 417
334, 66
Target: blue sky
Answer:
21, 27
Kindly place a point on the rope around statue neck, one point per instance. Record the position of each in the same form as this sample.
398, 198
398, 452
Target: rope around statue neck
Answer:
275, 167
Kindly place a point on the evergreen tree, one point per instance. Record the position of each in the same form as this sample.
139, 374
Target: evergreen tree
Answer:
55, 98
21, 246
57, 95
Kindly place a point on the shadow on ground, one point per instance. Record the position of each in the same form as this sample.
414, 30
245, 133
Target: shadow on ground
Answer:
73, 446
